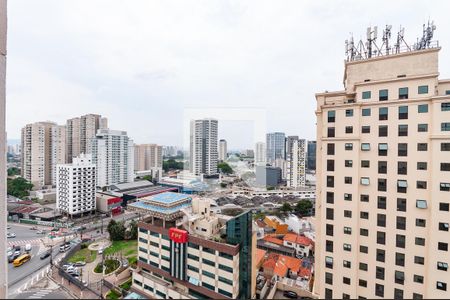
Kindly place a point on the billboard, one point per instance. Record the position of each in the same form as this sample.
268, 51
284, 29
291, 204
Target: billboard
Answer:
178, 235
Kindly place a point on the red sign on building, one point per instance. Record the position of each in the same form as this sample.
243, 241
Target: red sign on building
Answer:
178, 235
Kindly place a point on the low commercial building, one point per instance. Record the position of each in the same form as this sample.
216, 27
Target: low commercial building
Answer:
268, 176
185, 250
109, 202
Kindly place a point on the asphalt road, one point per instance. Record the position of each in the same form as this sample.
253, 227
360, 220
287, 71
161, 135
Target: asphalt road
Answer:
43, 294
23, 232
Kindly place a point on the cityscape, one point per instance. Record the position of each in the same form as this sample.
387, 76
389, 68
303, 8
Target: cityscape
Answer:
215, 201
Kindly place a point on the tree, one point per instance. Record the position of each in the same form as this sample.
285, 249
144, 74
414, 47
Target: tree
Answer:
116, 231
13, 171
303, 207
172, 164
19, 187
259, 215
148, 177
286, 207
225, 168
133, 230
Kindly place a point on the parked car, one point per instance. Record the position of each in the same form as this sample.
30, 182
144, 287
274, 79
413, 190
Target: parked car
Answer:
28, 247
79, 264
290, 294
45, 254
66, 266
100, 251
64, 248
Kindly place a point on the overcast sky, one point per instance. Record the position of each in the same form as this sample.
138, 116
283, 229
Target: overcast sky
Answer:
142, 63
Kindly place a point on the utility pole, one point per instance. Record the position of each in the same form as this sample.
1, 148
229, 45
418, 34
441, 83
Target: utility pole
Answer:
103, 274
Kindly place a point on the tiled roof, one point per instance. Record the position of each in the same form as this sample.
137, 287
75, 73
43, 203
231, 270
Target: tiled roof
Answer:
273, 240
297, 239
260, 255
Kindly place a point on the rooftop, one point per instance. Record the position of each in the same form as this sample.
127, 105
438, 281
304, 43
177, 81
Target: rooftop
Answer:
167, 197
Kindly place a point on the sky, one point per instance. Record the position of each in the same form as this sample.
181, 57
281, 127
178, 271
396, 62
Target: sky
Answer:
142, 64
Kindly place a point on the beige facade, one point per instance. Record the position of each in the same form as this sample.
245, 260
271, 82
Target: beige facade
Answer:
81, 132
383, 180
43, 145
147, 157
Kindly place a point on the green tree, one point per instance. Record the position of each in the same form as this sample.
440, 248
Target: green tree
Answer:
303, 207
172, 164
286, 207
13, 171
133, 230
259, 215
116, 231
225, 168
148, 177
19, 187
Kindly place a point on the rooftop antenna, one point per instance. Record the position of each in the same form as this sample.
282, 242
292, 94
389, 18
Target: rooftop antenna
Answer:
371, 37
401, 40
427, 36
386, 38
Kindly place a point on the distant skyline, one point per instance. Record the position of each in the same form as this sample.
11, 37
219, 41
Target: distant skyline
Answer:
142, 64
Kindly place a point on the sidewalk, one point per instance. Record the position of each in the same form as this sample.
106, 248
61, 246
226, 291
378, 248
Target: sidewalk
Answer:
71, 288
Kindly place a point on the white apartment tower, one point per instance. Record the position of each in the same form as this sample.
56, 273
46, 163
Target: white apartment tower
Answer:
113, 154
383, 180
222, 150
260, 153
81, 132
75, 186
43, 145
203, 147
295, 162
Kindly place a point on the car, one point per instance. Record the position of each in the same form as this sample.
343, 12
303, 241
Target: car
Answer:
290, 294
33, 228
64, 248
45, 254
79, 264
9, 253
10, 235
125, 263
28, 247
17, 253
40, 232
66, 266
100, 251
8, 227
17, 248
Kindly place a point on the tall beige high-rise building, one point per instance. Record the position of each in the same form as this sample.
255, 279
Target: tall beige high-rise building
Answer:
148, 157
43, 145
81, 132
383, 180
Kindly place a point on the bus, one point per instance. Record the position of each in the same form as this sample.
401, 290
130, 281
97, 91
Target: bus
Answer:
21, 260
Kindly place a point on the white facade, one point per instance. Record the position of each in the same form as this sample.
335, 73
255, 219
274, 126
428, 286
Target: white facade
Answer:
296, 163
260, 153
113, 154
57, 148
222, 150
75, 186
203, 147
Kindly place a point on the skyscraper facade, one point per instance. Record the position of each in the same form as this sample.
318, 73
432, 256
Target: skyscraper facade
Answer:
311, 156
113, 154
260, 153
383, 180
81, 132
203, 147
275, 146
222, 150
295, 162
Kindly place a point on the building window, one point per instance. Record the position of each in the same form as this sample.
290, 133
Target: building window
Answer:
364, 232
348, 146
442, 266
401, 223
381, 237
422, 147
382, 149
365, 164
330, 165
348, 163
379, 290
445, 126
442, 246
400, 241
422, 128
445, 106
445, 187
349, 112
402, 167
330, 197
422, 89
382, 113
329, 262
402, 130
366, 95
365, 146
329, 246
422, 108
441, 285
444, 206
445, 166
417, 296
398, 294
383, 95
379, 273
364, 215
362, 283
382, 130
329, 229
402, 149
421, 204
399, 277
418, 279
347, 230
403, 93
403, 112
363, 266
365, 181
382, 167
346, 264
399, 259
225, 268
381, 202
348, 129
381, 220
347, 180
346, 280
382, 184
365, 129
347, 197
364, 198
330, 181
328, 278
401, 204
330, 214
421, 184
364, 249
331, 132
331, 116
366, 112
328, 294
347, 247
447, 92
420, 222
421, 165
419, 260
330, 149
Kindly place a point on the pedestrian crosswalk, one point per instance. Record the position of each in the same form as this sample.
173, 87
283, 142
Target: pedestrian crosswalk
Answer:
24, 242
40, 294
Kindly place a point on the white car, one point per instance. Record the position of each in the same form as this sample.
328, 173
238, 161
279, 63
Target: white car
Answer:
10, 235
100, 251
